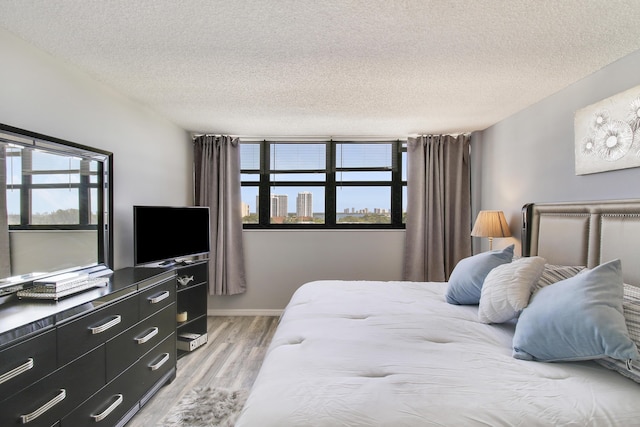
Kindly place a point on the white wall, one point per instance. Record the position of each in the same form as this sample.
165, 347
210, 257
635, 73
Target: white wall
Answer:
279, 262
529, 157
153, 165
152, 157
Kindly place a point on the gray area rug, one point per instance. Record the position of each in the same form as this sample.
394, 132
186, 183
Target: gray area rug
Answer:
206, 407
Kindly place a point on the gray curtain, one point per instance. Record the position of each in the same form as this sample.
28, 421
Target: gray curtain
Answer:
217, 185
5, 258
438, 223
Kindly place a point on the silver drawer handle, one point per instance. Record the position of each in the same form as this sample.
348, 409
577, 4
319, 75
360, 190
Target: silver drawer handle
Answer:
151, 334
44, 408
16, 371
158, 298
109, 410
156, 366
110, 324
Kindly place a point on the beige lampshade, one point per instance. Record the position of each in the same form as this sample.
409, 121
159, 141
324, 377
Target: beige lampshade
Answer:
491, 224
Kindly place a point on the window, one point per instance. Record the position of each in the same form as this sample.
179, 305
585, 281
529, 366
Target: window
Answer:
47, 190
331, 184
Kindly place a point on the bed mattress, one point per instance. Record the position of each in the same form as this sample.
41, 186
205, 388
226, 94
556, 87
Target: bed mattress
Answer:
396, 354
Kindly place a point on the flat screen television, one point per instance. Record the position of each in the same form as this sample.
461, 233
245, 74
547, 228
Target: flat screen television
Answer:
168, 233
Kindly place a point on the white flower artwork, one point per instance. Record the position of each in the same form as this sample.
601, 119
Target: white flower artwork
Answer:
607, 134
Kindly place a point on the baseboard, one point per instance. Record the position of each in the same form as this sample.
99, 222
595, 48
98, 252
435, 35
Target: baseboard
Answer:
243, 312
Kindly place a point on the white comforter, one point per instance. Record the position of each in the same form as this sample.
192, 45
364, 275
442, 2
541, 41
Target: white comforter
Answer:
396, 354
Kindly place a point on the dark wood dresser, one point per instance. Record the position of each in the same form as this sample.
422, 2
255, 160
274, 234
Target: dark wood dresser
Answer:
93, 358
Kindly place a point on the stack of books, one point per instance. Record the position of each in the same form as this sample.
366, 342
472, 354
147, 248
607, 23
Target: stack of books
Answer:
59, 286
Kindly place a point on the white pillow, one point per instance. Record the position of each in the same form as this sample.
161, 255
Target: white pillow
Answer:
507, 289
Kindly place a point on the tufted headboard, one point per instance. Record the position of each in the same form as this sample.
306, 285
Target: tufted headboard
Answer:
585, 233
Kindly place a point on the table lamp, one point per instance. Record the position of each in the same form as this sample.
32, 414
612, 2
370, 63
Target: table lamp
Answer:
491, 224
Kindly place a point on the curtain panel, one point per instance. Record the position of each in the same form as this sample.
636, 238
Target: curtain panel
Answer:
438, 226
217, 185
5, 247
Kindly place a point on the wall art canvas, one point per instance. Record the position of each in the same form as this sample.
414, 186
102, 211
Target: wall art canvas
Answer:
607, 134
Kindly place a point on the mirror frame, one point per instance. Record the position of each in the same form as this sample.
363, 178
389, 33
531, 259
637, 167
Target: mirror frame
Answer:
104, 158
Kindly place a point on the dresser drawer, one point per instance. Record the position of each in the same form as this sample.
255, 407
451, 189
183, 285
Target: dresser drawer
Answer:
27, 362
155, 364
157, 297
107, 406
192, 275
46, 401
81, 335
130, 345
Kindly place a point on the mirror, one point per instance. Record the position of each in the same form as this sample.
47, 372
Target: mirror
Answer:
55, 208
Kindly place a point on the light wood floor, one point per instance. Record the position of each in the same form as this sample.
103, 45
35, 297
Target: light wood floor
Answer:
231, 359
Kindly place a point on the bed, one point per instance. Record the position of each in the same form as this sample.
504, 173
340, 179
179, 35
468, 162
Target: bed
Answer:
362, 353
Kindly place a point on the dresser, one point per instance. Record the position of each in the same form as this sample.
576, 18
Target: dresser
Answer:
93, 358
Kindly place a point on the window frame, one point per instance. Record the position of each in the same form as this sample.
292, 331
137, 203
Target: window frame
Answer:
83, 187
330, 184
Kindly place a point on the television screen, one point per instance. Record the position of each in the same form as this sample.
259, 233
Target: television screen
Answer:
164, 233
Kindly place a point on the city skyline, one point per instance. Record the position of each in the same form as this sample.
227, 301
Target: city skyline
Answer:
279, 206
357, 198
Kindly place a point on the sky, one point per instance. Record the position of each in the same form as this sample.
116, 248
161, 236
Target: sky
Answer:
50, 200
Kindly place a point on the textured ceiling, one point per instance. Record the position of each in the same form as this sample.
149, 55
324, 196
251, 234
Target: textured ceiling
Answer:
331, 67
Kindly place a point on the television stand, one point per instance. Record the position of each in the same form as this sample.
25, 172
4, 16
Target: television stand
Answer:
192, 292
191, 301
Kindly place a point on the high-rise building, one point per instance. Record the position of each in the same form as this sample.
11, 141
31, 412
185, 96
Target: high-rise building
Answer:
245, 209
304, 205
279, 203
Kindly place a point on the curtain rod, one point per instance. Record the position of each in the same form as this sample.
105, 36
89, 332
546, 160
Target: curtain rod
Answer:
313, 137
319, 138
305, 138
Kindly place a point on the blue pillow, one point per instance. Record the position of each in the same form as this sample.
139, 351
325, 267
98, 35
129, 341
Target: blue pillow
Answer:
465, 282
580, 318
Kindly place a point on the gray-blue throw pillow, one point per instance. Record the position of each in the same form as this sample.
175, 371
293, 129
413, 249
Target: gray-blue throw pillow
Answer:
580, 318
465, 282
